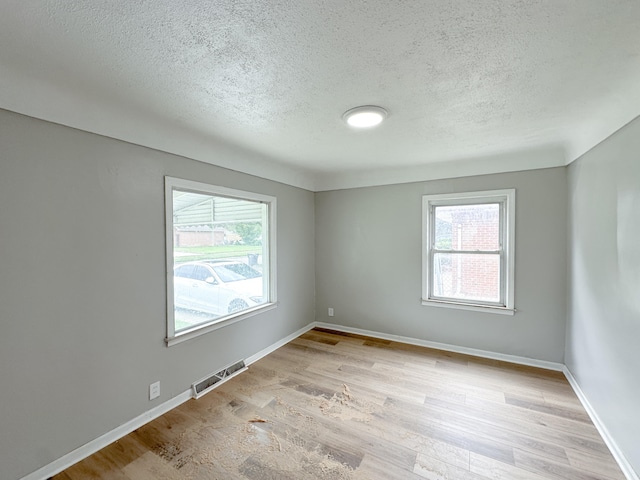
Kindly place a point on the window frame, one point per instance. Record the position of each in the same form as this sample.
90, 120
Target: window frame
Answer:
507, 200
173, 183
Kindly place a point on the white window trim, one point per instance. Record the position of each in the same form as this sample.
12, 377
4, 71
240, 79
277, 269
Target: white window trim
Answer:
172, 183
509, 198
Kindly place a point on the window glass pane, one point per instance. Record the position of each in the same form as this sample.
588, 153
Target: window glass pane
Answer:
219, 244
184, 271
200, 273
234, 272
466, 276
467, 227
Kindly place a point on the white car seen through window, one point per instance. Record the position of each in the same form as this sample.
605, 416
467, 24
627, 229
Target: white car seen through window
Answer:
217, 287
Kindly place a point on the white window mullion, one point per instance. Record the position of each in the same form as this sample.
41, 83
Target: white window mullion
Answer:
464, 266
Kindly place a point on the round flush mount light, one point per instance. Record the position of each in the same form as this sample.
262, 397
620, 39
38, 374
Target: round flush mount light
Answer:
365, 117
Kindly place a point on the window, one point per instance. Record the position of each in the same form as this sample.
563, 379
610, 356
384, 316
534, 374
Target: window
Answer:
468, 250
220, 256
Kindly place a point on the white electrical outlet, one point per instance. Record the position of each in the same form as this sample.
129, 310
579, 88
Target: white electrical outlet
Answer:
154, 390
331, 312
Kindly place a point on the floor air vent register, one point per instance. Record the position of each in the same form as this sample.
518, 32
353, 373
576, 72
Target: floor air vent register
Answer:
214, 380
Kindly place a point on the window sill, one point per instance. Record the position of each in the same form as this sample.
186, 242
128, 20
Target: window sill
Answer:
470, 307
217, 324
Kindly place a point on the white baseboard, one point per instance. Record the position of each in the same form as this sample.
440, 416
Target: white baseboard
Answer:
99, 443
90, 448
624, 464
108, 438
271, 348
446, 347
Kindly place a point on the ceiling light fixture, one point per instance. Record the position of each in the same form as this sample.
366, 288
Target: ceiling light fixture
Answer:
365, 117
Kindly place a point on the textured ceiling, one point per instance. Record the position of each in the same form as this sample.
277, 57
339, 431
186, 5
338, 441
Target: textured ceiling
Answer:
472, 86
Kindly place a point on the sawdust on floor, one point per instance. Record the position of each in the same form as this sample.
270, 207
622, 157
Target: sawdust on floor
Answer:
237, 439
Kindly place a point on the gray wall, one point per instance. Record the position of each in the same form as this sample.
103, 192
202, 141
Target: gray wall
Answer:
603, 328
82, 286
368, 265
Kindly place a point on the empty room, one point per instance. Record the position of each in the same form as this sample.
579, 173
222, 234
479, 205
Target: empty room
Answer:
320, 240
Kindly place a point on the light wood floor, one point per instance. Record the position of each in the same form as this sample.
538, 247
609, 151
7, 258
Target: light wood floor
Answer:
338, 406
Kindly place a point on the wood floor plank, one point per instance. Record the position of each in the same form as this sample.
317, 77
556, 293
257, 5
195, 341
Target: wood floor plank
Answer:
336, 424
97, 466
63, 476
150, 467
435, 469
377, 468
512, 417
549, 468
442, 451
413, 420
496, 470
441, 423
603, 464
331, 405
572, 414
